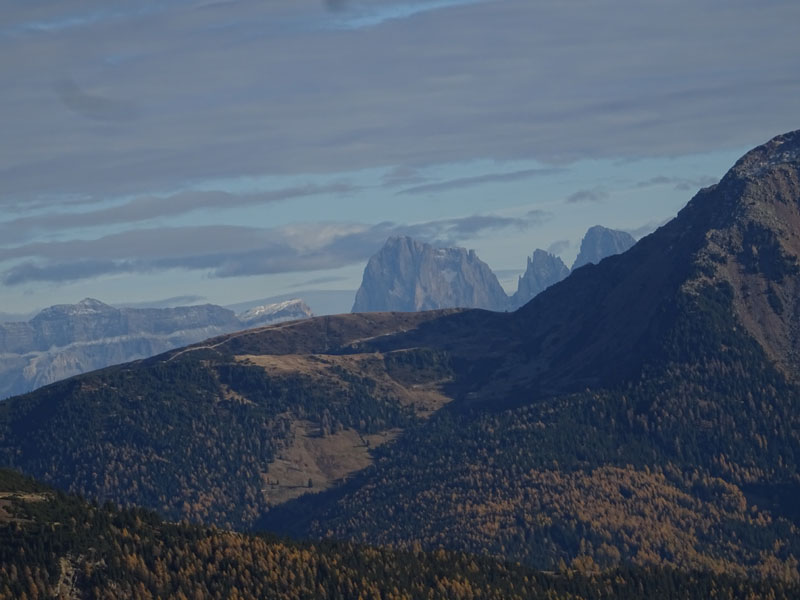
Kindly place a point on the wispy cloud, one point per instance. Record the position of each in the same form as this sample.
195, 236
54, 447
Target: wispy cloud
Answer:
317, 281
538, 216
464, 182
445, 99
559, 246
335, 5
228, 251
592, 195
363, 15
94, 106
402, 176
678, 183
148, 208
61, 272
166, 302
647, 228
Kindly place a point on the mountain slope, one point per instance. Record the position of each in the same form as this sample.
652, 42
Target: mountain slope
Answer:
201, 432
52, 545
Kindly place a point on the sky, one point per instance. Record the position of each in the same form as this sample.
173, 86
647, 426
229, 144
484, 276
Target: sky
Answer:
186, 151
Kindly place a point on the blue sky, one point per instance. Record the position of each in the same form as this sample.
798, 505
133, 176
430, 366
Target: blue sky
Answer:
234, 150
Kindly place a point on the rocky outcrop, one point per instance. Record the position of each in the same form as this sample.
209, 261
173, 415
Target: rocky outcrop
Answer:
543, 270
600, 242
408, 275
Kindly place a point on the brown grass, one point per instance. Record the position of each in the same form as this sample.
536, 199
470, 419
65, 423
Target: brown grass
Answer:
323, 460
425, 397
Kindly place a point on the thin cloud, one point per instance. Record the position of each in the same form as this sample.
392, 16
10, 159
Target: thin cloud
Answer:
559, 246
695, 184
318, 281
93, 106
230, 251
187, 300
592, 195
444, 100
538, 216
402, 176
371, 16
62, 272
647, 228
464, 182
154, 207
335, 5
678, 183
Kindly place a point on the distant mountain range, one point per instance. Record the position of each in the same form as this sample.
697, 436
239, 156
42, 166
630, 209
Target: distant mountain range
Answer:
643, 413
406, 275
68, 339
409, 275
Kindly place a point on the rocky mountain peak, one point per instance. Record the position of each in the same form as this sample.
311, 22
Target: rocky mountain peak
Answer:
409, 275
543, 270
780, 150
600, 242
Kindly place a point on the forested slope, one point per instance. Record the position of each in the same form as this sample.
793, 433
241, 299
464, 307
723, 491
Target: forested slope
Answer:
53, 545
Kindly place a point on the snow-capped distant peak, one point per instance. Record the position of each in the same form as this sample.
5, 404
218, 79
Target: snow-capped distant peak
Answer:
288, 310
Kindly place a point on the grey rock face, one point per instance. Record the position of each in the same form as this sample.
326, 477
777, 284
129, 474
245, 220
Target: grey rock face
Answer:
600, 242
69, 339
408, 275
543, 270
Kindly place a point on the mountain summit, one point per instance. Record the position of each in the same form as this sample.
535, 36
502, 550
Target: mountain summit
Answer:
600, 242
543, 270
408, 275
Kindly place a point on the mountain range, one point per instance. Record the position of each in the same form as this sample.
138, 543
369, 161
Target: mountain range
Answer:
68, 339
642, 412
409, 275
